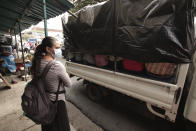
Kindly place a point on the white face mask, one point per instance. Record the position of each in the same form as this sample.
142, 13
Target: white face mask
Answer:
57, 52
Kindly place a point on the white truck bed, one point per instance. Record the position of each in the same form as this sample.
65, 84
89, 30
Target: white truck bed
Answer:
156, 93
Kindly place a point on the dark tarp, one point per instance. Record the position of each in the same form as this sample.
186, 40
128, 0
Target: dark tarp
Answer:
142, 30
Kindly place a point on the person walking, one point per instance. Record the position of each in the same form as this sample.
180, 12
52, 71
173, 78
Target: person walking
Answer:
45, 52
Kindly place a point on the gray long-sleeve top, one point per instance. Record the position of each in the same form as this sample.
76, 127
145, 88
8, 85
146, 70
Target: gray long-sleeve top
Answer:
57, 72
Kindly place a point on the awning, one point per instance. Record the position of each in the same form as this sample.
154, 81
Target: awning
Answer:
28, 12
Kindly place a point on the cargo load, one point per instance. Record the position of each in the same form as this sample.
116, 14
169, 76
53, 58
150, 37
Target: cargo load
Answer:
141, 30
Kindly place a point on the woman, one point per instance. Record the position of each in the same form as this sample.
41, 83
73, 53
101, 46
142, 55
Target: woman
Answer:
44, 53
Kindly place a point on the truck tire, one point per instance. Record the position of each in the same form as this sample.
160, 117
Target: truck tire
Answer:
190, 126
94, 92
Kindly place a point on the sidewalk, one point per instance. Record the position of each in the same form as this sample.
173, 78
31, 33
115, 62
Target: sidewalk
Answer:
11, 118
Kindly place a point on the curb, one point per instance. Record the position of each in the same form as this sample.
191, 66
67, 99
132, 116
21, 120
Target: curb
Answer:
72, 128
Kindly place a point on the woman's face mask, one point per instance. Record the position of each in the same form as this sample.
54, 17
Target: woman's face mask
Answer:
57, 52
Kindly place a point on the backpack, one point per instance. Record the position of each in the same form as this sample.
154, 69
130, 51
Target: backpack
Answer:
35, 102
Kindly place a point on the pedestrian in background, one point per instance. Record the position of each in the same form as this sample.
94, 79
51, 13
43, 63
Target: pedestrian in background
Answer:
35, 46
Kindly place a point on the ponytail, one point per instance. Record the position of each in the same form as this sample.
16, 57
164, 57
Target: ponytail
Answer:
40, 52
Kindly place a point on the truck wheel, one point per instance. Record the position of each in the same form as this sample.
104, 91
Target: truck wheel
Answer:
189, 126
94, 92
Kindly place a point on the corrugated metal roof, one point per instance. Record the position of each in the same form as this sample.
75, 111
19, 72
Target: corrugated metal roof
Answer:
28, 12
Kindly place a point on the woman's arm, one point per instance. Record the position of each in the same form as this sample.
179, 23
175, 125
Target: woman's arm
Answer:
63, 75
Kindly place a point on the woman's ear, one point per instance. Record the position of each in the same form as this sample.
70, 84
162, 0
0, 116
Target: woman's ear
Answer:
47, 49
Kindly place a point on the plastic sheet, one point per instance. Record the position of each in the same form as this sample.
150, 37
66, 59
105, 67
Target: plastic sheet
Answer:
9, 63
141, 30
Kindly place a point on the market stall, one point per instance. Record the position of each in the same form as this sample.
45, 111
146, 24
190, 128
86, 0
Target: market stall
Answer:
15, 17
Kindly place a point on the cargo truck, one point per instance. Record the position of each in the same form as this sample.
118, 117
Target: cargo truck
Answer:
145, 31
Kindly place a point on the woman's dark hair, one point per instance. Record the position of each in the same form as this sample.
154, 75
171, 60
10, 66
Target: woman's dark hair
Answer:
40, 52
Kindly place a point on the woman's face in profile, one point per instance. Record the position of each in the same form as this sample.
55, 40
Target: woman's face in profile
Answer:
51, 50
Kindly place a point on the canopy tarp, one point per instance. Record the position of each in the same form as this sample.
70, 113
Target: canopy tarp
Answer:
28, 12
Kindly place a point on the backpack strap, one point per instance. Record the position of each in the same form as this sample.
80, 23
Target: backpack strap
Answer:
43, 75
47, 68
57, 93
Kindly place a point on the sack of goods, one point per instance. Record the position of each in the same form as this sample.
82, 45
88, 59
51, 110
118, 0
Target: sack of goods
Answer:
165, 70
101, 60
134, 66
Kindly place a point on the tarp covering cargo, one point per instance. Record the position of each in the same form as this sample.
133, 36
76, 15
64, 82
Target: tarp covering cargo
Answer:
142, 30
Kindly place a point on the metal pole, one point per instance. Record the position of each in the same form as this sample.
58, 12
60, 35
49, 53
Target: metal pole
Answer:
22, 50
45, 18
115, 64
16, 43
114, 27
75, 16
